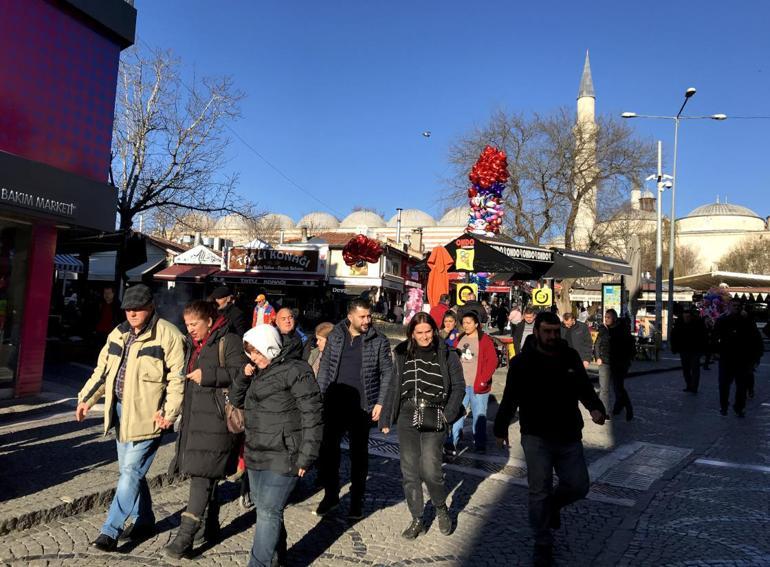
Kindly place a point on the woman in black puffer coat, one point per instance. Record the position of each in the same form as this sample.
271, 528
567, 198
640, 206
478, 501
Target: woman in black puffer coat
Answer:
205, 449
282, 410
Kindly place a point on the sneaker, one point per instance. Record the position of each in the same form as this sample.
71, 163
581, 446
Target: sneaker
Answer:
356, 511
105, 543
137, 533
327, 505
413, 530
444, 520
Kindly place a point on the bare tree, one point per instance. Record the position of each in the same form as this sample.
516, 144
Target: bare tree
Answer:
751, 256
555, 164
169, 142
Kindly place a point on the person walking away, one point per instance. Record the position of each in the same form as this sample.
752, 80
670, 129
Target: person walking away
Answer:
322, 331
449, 331
297, 343
354, 376
264, 314
227, 307
471, 305
438, 311
205, 449
688, 339
545, 384
140, 373
615, 347
425, 371
523, 329
740, 350
479, 362
710, 342
282, 413
583, 315
501, 319
578, 337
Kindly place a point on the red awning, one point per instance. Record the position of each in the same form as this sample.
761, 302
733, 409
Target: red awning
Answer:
185, 272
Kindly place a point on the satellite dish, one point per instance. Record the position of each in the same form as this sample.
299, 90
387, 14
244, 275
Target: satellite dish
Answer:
426, 134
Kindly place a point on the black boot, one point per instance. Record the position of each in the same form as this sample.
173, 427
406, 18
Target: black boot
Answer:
183, 542
414, 529
444, 520
208, 531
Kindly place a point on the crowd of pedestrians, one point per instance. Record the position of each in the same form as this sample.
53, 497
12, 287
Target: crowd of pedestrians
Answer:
300, 394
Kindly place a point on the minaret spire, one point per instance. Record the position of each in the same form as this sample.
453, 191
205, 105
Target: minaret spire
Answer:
586, 82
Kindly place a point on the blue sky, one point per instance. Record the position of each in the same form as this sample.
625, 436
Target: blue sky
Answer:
339, 92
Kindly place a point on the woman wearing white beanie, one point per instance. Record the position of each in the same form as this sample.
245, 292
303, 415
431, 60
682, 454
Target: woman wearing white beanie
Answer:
282, 410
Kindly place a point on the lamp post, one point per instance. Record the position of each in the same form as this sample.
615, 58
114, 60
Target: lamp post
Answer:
663, 182
672, 243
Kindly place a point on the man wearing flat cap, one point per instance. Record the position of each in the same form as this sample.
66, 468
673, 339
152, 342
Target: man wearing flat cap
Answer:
140, 373
225, 301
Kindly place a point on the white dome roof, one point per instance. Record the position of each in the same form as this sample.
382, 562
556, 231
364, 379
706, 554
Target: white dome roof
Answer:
369, 219
231, 222
276, 221
412, 218
722, 210
455, 217
318, 219
195, 221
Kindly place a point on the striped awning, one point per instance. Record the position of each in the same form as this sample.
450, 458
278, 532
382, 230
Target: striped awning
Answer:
67, 263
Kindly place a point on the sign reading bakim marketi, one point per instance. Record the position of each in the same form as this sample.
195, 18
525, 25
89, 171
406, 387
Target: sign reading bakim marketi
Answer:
37, 202
273, 260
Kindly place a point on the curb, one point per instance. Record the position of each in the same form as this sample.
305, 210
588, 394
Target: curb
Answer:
78, 505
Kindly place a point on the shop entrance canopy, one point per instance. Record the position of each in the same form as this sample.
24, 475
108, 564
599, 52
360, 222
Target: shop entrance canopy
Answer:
477, 256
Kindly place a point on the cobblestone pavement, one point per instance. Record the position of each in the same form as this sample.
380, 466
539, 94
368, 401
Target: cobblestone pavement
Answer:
678, 485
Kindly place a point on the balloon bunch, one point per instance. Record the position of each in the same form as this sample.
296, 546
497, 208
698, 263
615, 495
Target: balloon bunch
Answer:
481, 279
489, 176
714, 303
360, 249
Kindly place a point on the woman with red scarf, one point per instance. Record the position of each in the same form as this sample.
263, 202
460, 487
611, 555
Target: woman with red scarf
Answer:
205, 449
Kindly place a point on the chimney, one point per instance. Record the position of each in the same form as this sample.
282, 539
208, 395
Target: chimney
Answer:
304, 234
398, 226
198, 239
217, 243
416, 239
281, 236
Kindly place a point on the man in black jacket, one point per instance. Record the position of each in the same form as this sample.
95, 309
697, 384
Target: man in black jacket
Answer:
688, 338
545, 383
296, 342
354, 375
523, 329
225, 301
614, 353
578, 336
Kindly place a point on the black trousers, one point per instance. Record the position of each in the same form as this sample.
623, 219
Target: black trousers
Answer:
741, 374
691, 369
615, 376
343, 414
421, 457
202, 492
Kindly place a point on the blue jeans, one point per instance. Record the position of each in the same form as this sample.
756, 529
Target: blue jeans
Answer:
132, 496
269, 491
478, 405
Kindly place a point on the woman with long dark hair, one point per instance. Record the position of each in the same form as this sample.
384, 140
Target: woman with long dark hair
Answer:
205, 449
424, 399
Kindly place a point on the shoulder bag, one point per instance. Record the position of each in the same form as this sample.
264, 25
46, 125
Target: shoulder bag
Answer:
233, 416
428, 416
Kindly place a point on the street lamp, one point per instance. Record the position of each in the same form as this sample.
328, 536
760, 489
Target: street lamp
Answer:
687, 96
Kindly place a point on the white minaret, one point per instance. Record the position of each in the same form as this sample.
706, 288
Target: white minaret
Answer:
586, 128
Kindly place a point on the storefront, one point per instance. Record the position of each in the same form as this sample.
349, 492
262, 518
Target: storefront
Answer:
54, 157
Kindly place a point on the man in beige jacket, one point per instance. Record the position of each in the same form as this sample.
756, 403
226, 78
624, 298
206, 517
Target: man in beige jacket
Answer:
140, 373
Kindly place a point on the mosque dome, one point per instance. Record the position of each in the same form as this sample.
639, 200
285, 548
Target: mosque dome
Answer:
195, 222
412, 218
369, 219
457, 216
317, 220
276, 221
722, 210
231, 222
721, 217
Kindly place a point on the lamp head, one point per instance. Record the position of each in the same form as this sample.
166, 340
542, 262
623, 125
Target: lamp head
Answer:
628, 115
718, 116
689, 92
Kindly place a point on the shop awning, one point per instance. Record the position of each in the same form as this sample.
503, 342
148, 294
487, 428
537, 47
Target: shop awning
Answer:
67, 263
707, 280
485, 258
278, 279
186, 273
569, 267
601, 264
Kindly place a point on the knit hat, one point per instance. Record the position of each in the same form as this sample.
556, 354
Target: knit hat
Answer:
265, 339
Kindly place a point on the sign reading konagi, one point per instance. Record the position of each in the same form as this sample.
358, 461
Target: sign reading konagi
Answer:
273, 260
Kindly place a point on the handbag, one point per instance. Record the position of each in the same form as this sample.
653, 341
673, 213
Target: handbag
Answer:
234, 418
428, 416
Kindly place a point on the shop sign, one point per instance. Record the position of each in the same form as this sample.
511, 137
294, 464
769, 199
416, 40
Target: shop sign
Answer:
273, 260
542, 297
338, 290
612, 298
524, 253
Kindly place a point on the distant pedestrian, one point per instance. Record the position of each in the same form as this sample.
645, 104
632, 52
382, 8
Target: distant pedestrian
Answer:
449, 331
264, 313
355, 372
740, 350
615, 351
688, 339
282, 410
297, 343
225, 300
140, 373
501, 316
438, 310
322, 331
426, 373
471, 305
108, 314
205, 449
578, 336
479, 362
523, 329
583, 315
545, 384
